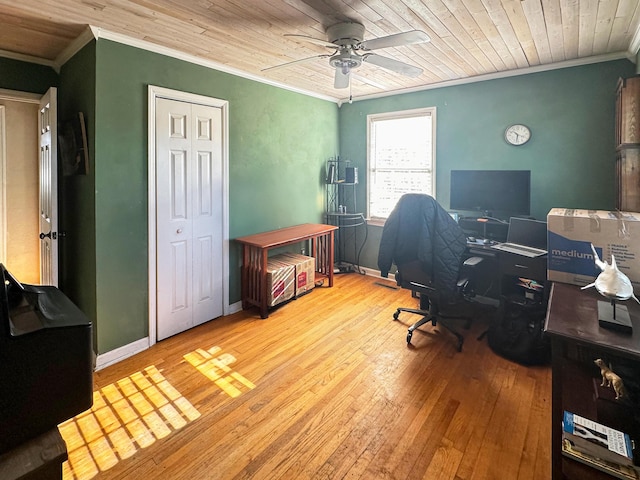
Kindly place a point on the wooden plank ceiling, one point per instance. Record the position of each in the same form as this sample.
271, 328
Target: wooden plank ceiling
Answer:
469, 38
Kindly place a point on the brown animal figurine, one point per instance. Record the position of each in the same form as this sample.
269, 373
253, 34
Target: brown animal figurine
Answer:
610, 379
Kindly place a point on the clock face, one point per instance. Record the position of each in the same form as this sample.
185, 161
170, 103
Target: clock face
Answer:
517, 134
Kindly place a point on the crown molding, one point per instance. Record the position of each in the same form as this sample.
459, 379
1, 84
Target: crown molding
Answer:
26, 58
101, 33
74, 47
16, 96
97, 33
495, 76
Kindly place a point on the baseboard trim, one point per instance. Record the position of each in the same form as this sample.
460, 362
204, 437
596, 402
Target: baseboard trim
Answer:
371, 272
234, 308
114, 356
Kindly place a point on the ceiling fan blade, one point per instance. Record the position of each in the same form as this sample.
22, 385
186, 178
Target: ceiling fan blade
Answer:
341, 79
317, 41
367, 81
302, 60
407, 38
393, 65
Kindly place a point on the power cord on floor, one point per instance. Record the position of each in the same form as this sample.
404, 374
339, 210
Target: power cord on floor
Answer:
366, 235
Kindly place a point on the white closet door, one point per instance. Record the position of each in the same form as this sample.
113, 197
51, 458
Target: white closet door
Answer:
189, 215
207, 213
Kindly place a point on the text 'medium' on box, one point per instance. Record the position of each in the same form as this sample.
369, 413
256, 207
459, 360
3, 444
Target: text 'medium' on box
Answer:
571, 233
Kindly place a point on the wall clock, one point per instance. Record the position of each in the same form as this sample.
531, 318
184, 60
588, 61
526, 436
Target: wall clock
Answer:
517, 134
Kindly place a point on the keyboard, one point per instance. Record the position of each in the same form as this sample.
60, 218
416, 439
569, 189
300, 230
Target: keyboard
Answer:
519, 249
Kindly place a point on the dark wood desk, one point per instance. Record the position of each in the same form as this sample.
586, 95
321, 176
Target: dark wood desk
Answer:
255, 252
576, 341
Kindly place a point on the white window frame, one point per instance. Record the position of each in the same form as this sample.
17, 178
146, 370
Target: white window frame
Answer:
371, 119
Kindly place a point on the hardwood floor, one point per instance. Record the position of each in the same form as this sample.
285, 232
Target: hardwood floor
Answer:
325, 388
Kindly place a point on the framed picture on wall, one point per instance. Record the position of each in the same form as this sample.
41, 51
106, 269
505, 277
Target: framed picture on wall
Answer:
72, 146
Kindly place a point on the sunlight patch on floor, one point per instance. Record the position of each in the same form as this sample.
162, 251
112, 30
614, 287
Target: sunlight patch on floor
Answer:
215, 366
127, 415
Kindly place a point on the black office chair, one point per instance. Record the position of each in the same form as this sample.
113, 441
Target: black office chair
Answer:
428, 248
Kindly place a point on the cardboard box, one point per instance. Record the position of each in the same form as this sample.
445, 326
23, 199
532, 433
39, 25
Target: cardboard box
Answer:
305, 271
280, 281
571, 233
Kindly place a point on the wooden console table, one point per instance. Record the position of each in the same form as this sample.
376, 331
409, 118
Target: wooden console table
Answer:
576, 341
255, 252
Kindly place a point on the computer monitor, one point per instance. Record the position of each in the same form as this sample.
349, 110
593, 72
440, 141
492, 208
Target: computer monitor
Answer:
502, 193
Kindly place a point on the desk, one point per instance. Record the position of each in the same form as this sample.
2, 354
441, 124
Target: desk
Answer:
499, 271
576, 341
485, 228
255, 251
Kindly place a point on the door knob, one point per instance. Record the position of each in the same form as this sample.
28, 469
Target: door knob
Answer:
179, 230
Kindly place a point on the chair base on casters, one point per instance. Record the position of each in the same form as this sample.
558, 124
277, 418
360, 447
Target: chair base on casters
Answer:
411, 277
427, 317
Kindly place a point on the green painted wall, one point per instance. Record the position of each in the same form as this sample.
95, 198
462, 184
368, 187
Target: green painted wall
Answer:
571, 153
77, 200
26, 77
278, 144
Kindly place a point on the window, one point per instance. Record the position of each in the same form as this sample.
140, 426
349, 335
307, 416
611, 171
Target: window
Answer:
400, 158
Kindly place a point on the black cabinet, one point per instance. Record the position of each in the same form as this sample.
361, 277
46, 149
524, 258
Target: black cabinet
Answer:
519, 266
503, 274
524, 277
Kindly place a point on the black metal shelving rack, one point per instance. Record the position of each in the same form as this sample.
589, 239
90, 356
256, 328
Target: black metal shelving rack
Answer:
342, 211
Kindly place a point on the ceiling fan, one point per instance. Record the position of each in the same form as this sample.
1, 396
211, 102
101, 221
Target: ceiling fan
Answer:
346, 39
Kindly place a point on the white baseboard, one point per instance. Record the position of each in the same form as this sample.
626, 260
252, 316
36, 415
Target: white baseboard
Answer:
234, 308
370, 272
114, 356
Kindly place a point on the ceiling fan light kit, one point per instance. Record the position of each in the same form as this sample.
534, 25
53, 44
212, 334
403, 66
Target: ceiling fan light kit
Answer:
347, 38
345, 60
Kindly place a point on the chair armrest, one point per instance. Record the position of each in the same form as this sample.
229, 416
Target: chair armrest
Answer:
467, 271
421, 288
472, 261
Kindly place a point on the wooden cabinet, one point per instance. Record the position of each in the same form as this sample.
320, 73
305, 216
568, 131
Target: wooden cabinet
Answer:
628, 144
576, 341
628, 179
628, 112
